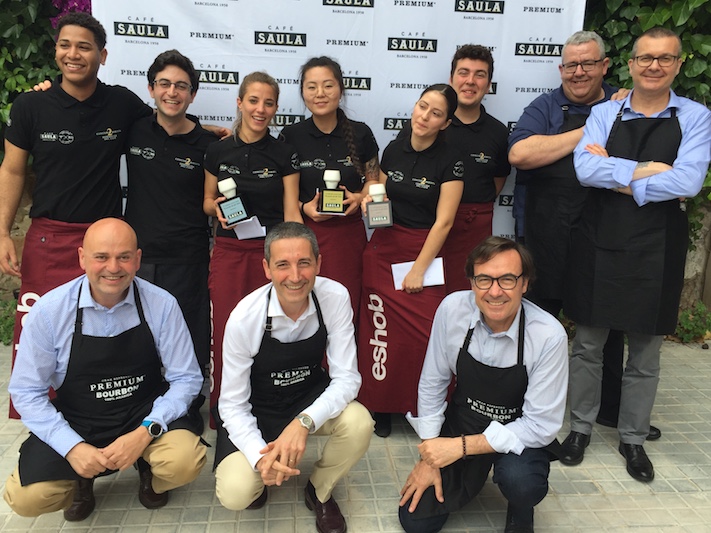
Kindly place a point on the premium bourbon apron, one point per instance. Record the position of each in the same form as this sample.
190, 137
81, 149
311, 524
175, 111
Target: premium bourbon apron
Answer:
109, 388
554, 201
286, 378
628, 261
483, 393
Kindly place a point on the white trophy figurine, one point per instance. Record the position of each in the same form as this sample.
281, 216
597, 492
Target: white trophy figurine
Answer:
377, 192
379, 212
332, 197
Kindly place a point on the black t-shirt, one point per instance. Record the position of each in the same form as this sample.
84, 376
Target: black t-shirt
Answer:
258, 170
414, 179
76, 147
484, 143
166, 180
319, 151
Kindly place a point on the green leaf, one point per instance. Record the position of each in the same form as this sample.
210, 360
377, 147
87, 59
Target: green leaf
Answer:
701, 43
680, 13
695, 67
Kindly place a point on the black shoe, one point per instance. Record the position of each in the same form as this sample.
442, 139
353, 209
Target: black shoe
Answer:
383, 424
259, 502
329, 518
654, 433
573, 448
514, 526
83, 502
149, 498
638, 464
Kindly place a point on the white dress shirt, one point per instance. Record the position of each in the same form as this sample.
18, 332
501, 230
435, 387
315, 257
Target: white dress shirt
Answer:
545, 355
243, 337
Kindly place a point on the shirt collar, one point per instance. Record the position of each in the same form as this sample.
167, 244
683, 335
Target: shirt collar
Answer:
430, 151
512, 332
275, 309
86, 300
674, 101
315, 132
66, 100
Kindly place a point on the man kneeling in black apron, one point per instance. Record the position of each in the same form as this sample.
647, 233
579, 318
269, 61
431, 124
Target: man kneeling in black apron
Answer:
510, 362
119, 355
275, 392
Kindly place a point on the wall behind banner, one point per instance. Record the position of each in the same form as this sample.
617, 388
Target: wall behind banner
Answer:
390, 50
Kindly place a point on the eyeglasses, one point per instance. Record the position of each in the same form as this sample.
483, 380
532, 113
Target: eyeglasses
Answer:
664, 61
587, 66
179, 85
506, 282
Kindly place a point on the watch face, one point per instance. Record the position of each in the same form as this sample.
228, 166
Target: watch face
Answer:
155, 430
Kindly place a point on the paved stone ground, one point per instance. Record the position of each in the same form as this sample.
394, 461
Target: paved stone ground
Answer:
596, 496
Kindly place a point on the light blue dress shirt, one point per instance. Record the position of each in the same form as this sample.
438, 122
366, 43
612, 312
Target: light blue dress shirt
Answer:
45, 344
683, 181
545, 355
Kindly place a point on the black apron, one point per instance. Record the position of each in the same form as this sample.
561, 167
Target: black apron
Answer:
285, 379
554, 201
627, 267
483, 393
110, 386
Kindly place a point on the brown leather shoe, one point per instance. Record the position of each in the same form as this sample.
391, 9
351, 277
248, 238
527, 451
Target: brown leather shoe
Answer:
328, 516
146, 495
83, 503
259, 502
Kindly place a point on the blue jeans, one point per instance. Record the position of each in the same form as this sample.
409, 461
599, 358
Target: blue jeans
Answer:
522, 479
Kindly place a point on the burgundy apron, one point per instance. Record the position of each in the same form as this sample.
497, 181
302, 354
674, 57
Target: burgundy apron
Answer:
394, 326
472, 224
235, 271
483, 393
49, 259
341, 241
109, 388
628, 261
285, 379
554, 201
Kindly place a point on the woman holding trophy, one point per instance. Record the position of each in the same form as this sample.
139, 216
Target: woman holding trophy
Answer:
251, 184
423, 177
331, 146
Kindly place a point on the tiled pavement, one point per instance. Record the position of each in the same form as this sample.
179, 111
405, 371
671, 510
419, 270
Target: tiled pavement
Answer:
596, 496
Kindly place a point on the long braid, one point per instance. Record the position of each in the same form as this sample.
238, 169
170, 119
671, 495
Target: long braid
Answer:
350, 141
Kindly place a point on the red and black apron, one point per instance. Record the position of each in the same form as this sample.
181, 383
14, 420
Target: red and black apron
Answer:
472, 224
483, 393
627, 267
286, 377
554, 201
49, 259
110, 386
341, 241
235, 271
394, 326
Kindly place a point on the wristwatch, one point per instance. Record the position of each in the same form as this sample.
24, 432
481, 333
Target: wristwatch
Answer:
306, 421
154, 428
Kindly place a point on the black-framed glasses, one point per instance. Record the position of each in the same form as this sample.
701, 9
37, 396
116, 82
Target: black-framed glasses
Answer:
587, 66
179, 85
506, 282
666, 60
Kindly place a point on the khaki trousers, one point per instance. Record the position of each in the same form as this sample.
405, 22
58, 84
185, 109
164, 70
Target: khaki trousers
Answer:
238, 484
176, 459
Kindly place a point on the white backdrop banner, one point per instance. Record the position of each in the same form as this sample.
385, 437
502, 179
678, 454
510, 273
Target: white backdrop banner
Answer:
390, 50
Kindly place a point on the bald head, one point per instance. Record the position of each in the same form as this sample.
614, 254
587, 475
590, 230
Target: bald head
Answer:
110, 257
110, 227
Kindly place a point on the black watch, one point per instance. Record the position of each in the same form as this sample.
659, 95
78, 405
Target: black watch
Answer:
155, 430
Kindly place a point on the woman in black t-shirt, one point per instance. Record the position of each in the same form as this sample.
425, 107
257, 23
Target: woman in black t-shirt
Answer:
266, 172
329, 140
423, 178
